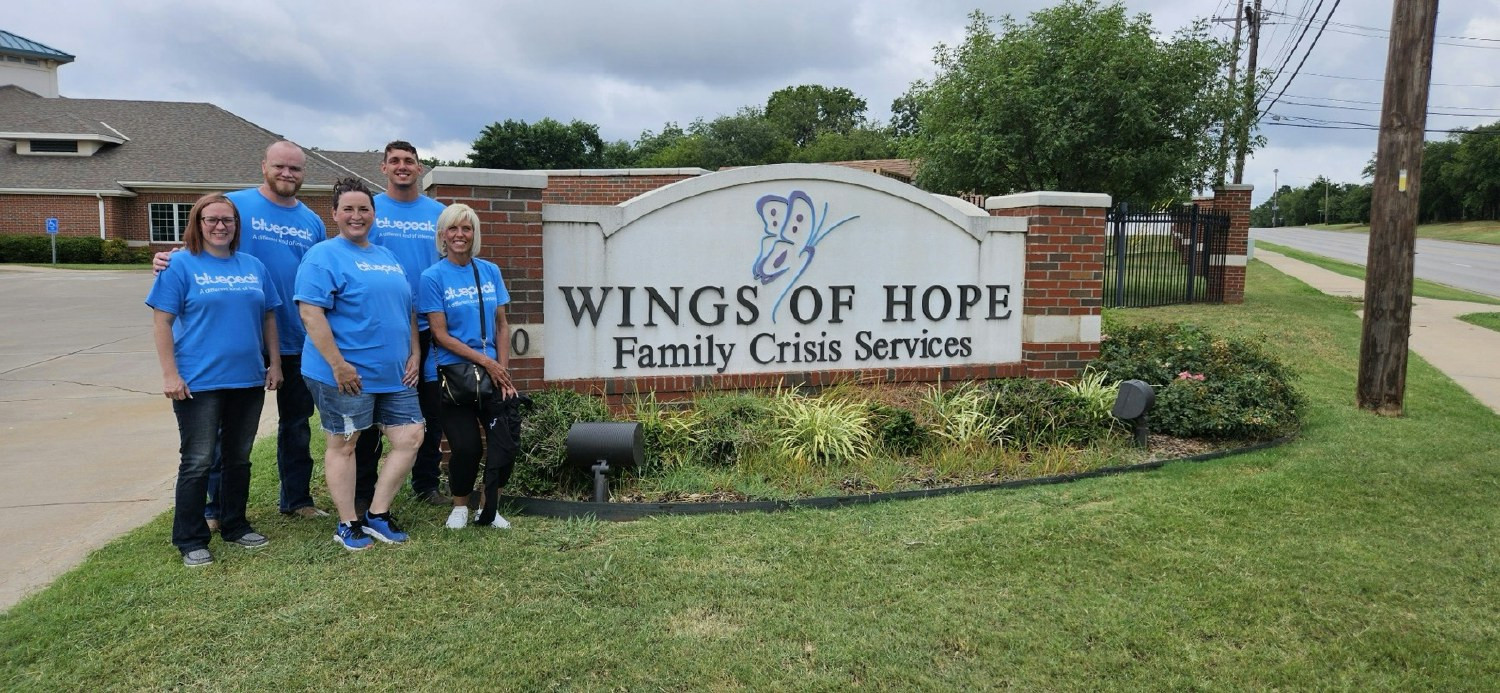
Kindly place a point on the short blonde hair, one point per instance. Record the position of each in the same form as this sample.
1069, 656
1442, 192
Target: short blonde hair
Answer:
454, 215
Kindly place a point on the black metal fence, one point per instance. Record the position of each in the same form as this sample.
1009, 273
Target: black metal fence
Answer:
1163, 258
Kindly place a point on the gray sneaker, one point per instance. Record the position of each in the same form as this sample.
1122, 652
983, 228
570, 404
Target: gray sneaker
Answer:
252, 540
197, 557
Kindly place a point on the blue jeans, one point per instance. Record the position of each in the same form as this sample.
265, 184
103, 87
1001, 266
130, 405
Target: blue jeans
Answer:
347, 415
294, 462
215, 419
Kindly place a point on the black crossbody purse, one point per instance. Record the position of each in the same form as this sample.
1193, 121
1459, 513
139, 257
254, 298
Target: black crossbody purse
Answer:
468, 384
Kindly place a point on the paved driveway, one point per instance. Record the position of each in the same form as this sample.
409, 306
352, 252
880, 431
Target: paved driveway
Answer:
88, 444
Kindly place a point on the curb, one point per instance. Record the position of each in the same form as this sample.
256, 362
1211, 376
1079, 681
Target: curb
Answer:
626, 512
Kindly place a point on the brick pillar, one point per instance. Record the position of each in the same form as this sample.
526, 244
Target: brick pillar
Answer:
1064, 278
509, 205
1234, 200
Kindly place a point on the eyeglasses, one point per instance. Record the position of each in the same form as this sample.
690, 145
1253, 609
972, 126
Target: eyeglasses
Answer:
211, 222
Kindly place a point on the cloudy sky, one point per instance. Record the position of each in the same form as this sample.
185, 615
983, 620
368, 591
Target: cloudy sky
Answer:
355, 75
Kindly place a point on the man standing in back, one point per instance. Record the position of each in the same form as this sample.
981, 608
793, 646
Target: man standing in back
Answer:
406, 224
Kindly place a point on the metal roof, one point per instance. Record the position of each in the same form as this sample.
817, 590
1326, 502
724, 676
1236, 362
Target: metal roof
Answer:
20, 45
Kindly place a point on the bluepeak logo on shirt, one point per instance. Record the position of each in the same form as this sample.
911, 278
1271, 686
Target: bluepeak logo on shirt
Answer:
227, 282
282, 233
372, 267
466, 295
384, 223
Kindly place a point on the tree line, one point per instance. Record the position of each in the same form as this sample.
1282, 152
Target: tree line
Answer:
1460, 182
1081, 96
807, 123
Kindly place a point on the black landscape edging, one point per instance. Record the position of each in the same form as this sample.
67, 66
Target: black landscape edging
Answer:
625, 512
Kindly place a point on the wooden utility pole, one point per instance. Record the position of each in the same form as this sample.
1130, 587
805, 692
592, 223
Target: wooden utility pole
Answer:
1393, 208
1230, 129
1252, 18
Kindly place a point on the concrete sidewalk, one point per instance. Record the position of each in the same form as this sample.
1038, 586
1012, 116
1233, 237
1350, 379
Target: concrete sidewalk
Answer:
88, 444
1468, 354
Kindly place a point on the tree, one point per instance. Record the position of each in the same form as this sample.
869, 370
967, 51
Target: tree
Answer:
1442, 192
1477, 164
855, 145
802, 113
746, 138
545, 144
1082, 97
905, 114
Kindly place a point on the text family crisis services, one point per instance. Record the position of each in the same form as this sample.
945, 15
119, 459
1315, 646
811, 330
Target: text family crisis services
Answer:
709, 306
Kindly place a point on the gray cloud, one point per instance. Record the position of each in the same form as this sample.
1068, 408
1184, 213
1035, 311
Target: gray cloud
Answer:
354, 76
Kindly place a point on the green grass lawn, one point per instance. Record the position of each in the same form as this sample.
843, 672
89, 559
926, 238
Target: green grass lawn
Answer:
1420, 287
1468, 231
1486, 320
1362, 556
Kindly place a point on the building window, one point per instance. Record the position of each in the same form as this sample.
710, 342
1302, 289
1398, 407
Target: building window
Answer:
169, 220
54, 146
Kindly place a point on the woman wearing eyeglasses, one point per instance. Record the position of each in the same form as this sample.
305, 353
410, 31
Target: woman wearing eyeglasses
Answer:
215, 333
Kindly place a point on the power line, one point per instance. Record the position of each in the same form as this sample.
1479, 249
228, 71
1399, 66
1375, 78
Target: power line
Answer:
1379, 79
1386, 32
1376, 110
1279, 120
1377, 103
1310, 48
1293, 51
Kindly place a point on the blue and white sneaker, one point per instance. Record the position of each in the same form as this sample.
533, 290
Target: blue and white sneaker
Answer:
384, 528
350, 536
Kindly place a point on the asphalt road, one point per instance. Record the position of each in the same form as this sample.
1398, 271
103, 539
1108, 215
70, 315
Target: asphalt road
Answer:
1470, 266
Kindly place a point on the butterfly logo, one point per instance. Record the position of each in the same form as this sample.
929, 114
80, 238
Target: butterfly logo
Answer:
792, 227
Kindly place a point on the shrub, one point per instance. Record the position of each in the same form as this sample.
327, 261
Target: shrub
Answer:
1207, 386
542, 465
1046, 413
896, 429
116, 251
733, 425
821, 430
37, 249
964, 417
672, 436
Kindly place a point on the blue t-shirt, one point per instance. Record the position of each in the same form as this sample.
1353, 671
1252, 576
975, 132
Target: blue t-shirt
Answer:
449, 289
409, 231
279, 237
220, 306
368, 304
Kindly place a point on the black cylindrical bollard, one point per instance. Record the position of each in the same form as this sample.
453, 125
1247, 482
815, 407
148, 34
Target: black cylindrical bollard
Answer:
604, 445
619, 443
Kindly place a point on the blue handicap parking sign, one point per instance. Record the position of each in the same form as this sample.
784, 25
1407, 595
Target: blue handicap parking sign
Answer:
52, 225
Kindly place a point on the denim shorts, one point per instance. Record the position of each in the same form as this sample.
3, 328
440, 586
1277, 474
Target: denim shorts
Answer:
345, 415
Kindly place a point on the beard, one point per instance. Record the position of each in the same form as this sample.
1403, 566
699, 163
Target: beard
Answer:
282, 187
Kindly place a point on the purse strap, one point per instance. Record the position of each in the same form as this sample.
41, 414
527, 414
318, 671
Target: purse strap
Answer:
484, 339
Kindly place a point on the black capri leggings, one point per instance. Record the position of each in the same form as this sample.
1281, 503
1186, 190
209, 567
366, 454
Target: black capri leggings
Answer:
500, 421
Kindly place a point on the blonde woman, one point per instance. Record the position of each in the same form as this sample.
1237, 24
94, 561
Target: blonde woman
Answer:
464, 300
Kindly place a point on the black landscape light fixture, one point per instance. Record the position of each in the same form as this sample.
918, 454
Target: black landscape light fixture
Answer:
1132, 404
601, 446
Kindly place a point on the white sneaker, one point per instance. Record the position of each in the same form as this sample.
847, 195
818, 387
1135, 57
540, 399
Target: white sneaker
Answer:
459, 517
499, 523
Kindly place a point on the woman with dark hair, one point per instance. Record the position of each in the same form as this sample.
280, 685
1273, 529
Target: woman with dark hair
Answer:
464, 300
360, 361
215, 333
